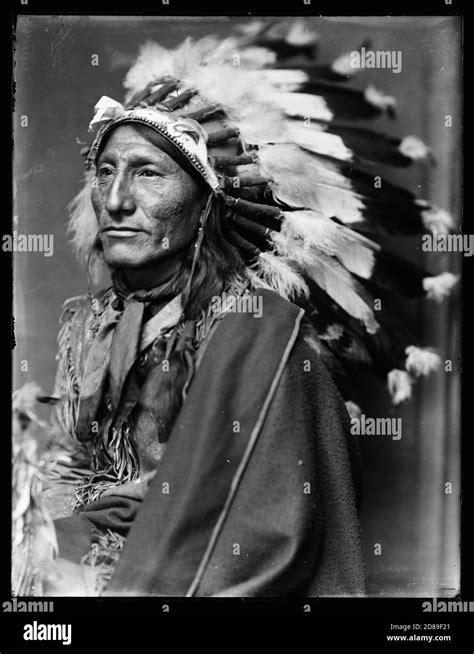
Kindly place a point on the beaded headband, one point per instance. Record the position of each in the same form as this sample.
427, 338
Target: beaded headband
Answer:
183, 133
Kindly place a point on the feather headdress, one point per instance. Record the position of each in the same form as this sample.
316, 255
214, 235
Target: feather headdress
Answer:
286, 141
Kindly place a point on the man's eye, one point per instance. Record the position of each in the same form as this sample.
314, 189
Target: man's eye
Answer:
147, 172
105, 171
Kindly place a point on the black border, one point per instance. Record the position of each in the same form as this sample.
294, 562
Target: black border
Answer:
348, 623
240, 8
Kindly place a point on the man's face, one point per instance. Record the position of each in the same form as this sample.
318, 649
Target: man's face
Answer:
146, 205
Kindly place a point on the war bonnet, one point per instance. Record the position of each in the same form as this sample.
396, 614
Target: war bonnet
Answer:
283, 141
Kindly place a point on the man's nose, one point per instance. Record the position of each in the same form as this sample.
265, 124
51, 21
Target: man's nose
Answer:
120, 198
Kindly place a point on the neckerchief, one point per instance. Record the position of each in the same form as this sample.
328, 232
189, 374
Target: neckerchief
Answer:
118, 342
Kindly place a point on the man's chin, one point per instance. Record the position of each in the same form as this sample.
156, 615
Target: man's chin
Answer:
125, 257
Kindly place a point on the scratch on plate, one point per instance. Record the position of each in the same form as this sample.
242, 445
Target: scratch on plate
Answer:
43, 281
61, 34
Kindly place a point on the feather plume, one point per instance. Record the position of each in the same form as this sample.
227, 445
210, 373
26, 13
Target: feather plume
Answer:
399, 384
297, 180
153, 62
302, 230
338, 283
439, 287
346, 103
414, 148
435, 219
380, 100
311, 137
353, 409
284, 79
256, 281
82, 224
246, 99
421, 362
301, 179
299, 34
280, 276
304, 105
343, 67
368, 146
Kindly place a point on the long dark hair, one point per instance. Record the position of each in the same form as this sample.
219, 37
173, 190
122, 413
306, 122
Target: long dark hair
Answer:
217, 265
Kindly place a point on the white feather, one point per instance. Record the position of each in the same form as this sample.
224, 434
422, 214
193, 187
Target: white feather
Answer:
250, 29
353, 409
280, 276
413, 147
263, 123
343, 65
421, 361
82, 223
153, 61
379, 99
440, 286
256, 281
399, 384
256, 57
313, 342
246, 99
285, 79
312, 138
306, 231
332, 333
303, 104
184, 62
300, 181
436, 220
339, 285
299, 34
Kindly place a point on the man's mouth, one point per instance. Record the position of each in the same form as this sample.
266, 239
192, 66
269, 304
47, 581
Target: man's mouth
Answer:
122, 232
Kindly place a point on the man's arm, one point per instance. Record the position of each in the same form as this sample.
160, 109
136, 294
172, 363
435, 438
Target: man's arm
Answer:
73, 464
293, 527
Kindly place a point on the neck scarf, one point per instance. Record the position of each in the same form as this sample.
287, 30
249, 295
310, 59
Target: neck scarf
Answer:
117, 344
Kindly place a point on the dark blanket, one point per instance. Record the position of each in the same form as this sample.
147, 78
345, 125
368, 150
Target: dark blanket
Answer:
256, 494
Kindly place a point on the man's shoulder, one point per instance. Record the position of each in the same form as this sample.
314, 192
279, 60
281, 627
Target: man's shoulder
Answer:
78, 317
264, 304
83, 305
71, 306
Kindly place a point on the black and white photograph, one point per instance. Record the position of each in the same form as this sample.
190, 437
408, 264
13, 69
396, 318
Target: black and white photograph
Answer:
237, 250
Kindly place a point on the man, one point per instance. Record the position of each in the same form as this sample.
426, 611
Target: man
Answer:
212, 454
233, 491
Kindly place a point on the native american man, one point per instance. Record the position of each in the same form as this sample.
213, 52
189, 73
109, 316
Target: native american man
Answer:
209, 447
215, 442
